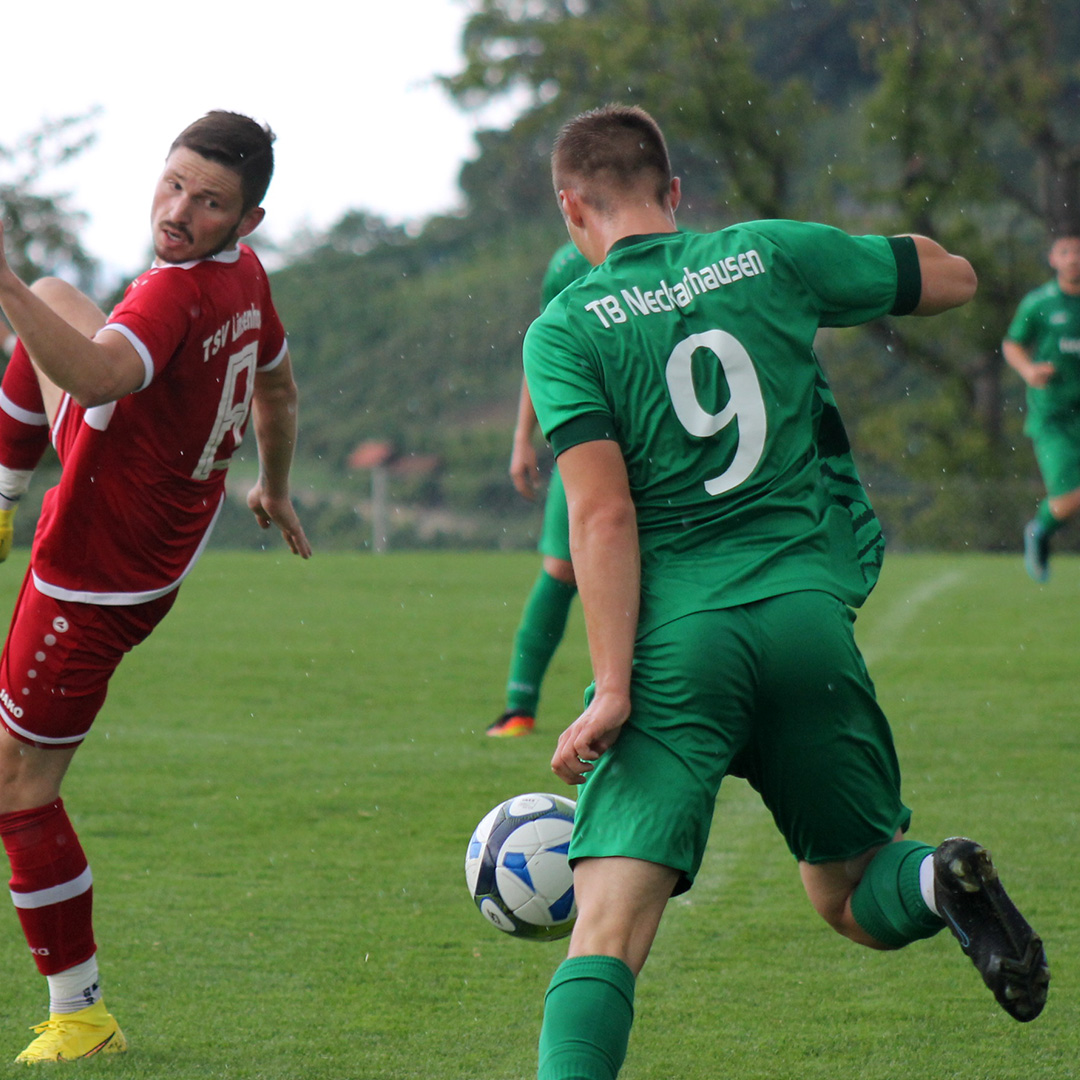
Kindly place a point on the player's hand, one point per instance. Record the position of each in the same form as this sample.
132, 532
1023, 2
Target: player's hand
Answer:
593, 732
524, 471
272, 510
1038, 375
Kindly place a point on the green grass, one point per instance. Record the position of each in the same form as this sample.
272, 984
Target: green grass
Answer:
277, 797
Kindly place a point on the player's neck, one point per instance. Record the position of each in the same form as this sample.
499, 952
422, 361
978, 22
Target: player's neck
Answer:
639, 223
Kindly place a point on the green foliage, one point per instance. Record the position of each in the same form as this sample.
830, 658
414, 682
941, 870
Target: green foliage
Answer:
278, 794
41, 229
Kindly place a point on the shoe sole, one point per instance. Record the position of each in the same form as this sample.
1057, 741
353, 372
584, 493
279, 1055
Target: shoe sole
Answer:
510, 733
113, 1043
1024, 978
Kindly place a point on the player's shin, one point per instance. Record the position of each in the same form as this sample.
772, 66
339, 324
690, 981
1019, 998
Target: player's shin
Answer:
51, 886
588, 1012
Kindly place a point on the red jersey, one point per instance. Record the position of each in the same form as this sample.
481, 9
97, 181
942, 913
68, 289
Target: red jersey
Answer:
144, 477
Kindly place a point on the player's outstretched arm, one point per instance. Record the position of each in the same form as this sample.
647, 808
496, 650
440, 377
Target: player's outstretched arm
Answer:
273, 406
948, 280
94, 371
607, 565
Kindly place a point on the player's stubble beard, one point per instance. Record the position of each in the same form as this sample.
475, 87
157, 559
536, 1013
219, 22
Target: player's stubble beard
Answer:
229, 242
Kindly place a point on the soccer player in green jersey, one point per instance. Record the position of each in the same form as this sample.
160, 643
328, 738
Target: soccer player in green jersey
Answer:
717, 550
543, 620
1043, 346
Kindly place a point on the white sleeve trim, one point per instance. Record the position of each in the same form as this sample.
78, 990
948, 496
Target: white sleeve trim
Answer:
277, 359
140, 348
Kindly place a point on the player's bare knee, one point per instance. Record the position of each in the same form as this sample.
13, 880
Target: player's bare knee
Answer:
70, 304
560, 569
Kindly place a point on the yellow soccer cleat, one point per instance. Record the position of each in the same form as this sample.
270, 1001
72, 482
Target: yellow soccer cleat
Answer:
70, 1036
7, 531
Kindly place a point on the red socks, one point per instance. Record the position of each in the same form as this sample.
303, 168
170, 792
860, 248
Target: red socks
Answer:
24, 428
51, 885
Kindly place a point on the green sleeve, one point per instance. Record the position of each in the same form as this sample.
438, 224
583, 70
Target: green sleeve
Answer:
908, 275
1024, 328
564, 382
851, 279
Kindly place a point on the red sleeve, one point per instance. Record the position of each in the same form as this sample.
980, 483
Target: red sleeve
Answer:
156, 314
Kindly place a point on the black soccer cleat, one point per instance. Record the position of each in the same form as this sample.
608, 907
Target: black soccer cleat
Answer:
991, 931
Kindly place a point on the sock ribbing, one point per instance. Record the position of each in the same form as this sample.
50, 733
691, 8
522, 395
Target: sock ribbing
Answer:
888, 902
588, 1012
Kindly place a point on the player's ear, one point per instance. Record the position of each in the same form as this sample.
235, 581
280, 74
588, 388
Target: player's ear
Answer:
250, 221
570, 203
675, 193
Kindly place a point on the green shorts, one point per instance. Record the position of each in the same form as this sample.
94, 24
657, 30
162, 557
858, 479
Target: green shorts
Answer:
555, 536
1057, 450
775, 691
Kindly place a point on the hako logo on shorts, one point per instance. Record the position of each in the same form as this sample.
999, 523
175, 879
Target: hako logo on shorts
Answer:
39, 951
15, 710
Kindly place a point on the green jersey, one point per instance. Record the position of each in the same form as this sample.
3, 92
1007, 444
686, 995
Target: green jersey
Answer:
1047, 324
695, 353
565, 267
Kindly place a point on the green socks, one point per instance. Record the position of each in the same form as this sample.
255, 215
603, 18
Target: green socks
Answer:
543, 623
1048, 524
587, 1016
888, 902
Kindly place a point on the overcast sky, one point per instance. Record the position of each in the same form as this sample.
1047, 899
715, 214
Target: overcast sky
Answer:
347, 87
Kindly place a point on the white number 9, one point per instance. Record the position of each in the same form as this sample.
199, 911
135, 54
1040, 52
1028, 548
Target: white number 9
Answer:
745, 402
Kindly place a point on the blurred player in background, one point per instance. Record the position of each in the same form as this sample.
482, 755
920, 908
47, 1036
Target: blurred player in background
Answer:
716, 559
145, 409
543, 621
1043, 346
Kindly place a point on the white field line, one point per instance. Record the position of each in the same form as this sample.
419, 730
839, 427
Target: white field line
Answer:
890, 625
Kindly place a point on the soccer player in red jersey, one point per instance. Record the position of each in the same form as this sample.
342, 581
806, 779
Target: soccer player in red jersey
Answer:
145, 408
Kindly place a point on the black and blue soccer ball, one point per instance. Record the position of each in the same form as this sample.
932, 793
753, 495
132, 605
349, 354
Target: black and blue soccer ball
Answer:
517, 869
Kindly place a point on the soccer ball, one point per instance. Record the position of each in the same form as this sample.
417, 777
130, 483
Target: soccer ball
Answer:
516, 867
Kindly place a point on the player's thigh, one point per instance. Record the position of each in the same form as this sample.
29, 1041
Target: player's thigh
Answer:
555, 534
1057, 451
822, 754
653, 794
58, 659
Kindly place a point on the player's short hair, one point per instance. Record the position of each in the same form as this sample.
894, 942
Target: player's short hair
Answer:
238, 142
613, 149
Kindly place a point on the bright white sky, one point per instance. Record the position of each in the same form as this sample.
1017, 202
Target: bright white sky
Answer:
347, 86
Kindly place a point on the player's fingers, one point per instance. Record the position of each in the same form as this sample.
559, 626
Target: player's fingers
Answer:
298, 543
523, 486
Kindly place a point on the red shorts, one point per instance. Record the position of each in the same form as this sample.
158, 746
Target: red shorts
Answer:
58, 659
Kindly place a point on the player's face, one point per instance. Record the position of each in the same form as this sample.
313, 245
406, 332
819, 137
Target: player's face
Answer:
198, 208
1065, 259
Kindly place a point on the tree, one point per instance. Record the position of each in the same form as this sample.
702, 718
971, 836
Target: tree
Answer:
958, 120
974, 138
41, 229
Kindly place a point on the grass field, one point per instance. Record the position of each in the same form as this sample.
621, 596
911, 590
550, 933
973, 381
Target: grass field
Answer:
277, 797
